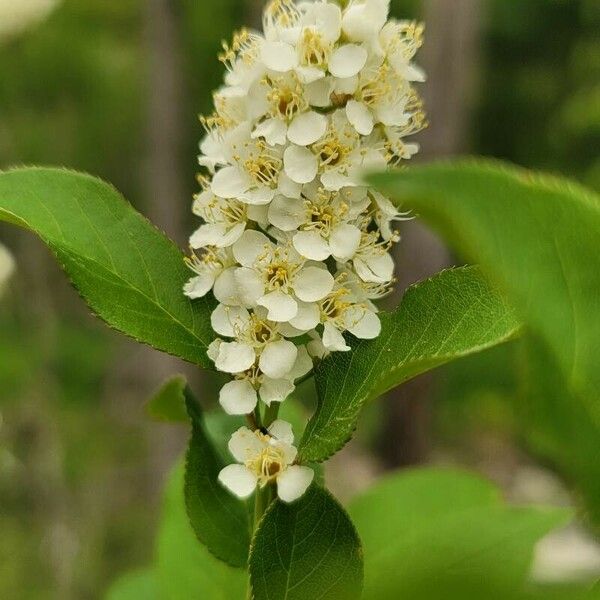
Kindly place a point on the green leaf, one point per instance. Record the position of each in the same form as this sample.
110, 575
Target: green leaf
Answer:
308, 549
427, 528
186, 569
556, 425
219, 519
451, 315
134, 586
536, 236
129, 273
168, 404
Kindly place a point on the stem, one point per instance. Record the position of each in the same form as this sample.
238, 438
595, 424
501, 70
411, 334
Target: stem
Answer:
271, 413
261, 502
256, 417
262, 499
251, 418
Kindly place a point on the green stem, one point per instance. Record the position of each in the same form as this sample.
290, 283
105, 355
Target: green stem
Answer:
271, 413
261, 502
262, 499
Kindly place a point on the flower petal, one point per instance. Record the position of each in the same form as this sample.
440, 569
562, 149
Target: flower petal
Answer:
293, 482
282, 431
278, 358
313, 283
198, 287
258, 196
333, 180
378, 268
328, 18
347, 61
307, 318
226, 319
365, 324
249, 286
275, 390
239, 480
287, 187
309, 75
318, 93
344, 242
238, 398
273, 130
230, 182
213, 349
303, 364
311, 244
360, 117
245, 445
286, 214
363, 21
250, 246
278, 56
333, 339
281, 306
208, 234
225, 288
235, 357
307, 128
300, 164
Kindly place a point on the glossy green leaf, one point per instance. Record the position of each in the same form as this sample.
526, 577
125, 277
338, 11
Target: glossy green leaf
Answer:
134, 586
427, 528
219, 519
451, 315
537, 236
308, 549
185, 568
129, 273
168, 404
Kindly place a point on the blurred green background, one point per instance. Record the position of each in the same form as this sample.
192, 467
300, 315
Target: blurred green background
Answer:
114, 87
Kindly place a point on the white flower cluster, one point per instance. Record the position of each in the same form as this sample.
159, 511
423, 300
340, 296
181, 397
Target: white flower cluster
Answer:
293, 245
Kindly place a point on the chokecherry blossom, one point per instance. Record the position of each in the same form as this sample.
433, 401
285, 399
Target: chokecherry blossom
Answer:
294, 246
265, 458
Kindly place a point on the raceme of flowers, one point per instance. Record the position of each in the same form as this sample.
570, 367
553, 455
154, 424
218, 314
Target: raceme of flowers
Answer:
293, 245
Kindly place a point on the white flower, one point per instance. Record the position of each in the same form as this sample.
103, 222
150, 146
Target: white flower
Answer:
339, 313
326, 223
277, 277
254, 169
264, 362
266, 458
240, 396
224, 221
385, 214
214, 270
372, 261
342, 155
400, 41
7, 266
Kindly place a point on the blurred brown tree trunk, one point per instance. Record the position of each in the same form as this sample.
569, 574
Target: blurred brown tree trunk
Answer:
451, 59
